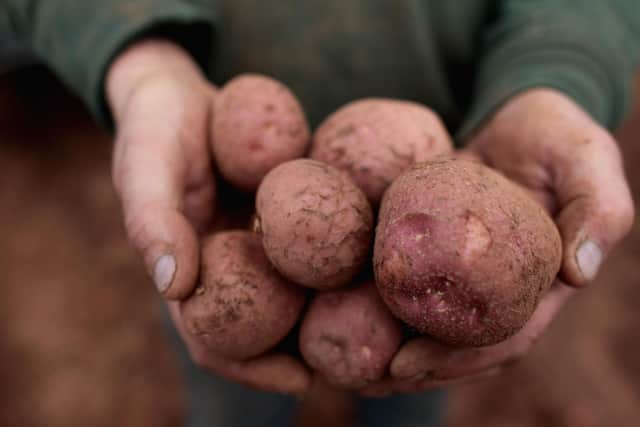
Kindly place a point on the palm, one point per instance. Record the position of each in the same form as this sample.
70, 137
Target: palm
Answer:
548, 145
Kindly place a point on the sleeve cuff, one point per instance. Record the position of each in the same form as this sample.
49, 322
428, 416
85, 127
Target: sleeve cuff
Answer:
186, 28
188, 25
574, 72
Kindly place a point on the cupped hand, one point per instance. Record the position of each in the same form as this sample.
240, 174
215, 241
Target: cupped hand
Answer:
545, 142
549, 145
163, 172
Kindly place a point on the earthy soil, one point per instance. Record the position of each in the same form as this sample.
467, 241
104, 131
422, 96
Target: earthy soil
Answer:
82, 342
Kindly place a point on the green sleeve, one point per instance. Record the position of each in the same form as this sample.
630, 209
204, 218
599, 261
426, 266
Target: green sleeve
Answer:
587, 49
79, 39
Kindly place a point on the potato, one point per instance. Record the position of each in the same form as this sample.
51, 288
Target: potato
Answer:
242, 306
316, 225
349, 336
257, 124
462, 253
375, 140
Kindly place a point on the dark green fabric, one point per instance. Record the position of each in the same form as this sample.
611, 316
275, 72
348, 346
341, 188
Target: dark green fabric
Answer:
79, 39
463, 58
587, 49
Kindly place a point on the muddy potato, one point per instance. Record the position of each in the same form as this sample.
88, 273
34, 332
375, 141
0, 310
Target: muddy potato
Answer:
316, 225
257, 124
462, 253
349, 336
242, 306
375, 140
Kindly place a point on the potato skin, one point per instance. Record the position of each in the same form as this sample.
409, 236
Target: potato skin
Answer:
316, 225
257, 124
462, 253
350, 336
374, 140
242, 306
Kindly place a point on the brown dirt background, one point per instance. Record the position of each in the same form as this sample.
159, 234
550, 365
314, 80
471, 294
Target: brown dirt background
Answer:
81, 341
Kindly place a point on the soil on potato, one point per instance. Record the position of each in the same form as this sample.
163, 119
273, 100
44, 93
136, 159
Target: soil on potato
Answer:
82, 340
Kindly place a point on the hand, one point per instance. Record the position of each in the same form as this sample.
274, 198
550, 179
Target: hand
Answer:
273, 372
542, 140
163, 173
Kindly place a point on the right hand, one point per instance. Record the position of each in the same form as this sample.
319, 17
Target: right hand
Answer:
163, 172
573, 167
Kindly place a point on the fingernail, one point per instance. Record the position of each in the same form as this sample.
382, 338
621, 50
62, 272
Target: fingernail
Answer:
164, 271
589, 257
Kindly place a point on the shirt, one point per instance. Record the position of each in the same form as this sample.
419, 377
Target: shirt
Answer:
463, 58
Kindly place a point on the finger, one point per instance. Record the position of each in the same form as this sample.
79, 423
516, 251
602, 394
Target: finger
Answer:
278, 373
596, 209
157, 165
431, 384
201, 191
424, 360
200, 202
388, 386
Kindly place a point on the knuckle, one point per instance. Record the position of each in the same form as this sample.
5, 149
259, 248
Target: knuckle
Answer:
141, 225
137, 230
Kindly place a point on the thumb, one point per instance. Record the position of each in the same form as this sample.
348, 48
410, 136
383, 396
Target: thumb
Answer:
596, 209
168, 245
160, 173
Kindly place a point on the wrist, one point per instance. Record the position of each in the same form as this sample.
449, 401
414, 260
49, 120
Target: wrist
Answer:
142, 61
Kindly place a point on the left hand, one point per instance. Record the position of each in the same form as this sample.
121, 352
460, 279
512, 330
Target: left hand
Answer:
545, 142
163, 172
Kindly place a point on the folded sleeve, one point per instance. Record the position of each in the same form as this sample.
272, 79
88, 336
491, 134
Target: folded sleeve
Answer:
587, 49
79, 39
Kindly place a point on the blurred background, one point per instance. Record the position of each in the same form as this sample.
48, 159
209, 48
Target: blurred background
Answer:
81, 339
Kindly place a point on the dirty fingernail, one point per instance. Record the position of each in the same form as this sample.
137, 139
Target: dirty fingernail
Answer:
589, 257
163, 272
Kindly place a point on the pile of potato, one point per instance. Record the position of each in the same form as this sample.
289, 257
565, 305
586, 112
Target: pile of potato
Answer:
459, 252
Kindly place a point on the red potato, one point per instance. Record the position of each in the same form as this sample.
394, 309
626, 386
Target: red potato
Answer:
257, 124
242, 306
316, 225
350, 336
375, 140
462, 253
